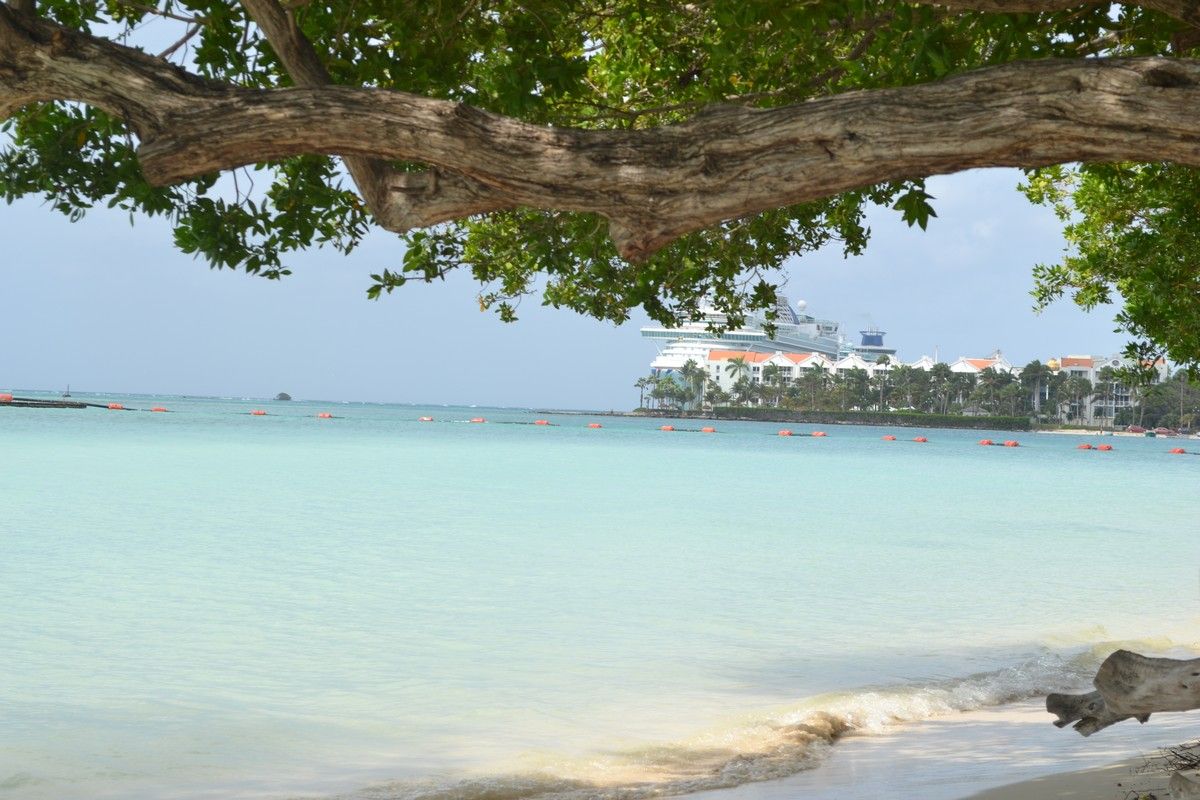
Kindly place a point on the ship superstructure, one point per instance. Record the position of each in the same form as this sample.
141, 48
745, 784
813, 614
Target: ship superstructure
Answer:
795, 332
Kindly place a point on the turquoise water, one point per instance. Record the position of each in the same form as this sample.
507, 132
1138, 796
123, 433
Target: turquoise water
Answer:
211, 604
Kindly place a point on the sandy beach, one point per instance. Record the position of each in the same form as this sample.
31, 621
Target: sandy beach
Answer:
1115, 780
1007, 753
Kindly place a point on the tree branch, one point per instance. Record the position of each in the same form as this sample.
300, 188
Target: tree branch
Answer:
653, 185
657, 184
398, 201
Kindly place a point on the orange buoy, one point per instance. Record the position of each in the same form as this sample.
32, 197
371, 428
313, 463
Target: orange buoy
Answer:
818, 433
920, 439
1084, 446
708, 430
425, 419
540, 422
258, 412
785, 432
667, 428
889, 438
1012, 443
158, 408
6, 398
1178, 451
1105, 447
595, 425
324, 415
115, 407
986, 442
478, 419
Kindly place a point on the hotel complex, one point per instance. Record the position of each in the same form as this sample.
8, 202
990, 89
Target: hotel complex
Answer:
802, 343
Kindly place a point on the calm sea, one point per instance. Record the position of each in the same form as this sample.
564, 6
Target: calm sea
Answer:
207, 603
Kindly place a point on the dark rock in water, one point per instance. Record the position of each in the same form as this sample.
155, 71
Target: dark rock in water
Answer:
283, 396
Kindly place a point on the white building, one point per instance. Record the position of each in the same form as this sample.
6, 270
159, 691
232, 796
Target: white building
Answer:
973, 366
855, 361
923, 363
791, 366
1107, 397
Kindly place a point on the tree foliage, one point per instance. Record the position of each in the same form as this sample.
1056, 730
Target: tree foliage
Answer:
1133, 236
621, 65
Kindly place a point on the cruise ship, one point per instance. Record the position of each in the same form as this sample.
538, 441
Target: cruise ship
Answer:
795, 332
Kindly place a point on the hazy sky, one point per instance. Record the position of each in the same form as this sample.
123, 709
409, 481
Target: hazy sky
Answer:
109, 307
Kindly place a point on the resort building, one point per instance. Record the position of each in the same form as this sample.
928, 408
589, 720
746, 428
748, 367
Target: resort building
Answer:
1105, 395
801, 343
855, 361
924, 363
727, 367
973, 366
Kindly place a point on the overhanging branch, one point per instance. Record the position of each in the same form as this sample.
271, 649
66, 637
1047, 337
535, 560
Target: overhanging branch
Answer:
653, 185
398, 201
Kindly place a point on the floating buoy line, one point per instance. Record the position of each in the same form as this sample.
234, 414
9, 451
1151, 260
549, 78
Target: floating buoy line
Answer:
10, 400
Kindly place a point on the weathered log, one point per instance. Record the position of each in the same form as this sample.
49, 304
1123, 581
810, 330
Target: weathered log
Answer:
1129, 686
1185, 785
1088, 712
1134, 684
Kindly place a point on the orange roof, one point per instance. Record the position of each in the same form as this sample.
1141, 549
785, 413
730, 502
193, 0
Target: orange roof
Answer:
725, 355
1077, 361
981, 363
798, 358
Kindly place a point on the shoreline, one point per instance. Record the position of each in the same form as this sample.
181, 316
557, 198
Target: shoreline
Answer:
1006, 752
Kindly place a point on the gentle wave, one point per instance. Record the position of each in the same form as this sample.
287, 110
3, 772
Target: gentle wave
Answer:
769, 746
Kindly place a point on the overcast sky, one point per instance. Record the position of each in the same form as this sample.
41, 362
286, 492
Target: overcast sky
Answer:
109, 307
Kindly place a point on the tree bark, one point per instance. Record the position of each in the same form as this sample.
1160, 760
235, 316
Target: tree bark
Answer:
397, 200
652, 185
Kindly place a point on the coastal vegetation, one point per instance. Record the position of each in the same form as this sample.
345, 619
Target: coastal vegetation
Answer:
617, 154
902, 394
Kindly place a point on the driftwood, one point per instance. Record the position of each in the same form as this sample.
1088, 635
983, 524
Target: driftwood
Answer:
1133, 686
1130, 686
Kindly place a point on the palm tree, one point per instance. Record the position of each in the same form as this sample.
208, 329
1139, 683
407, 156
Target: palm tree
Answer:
666, 391
1034, 376
743, 391
960, 385
941, 380
772, 383
815, 380
714, 393
693, 379
1012, 395
642, 384
883, 363
737, 368
857, 388
989, 382
1079, 390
